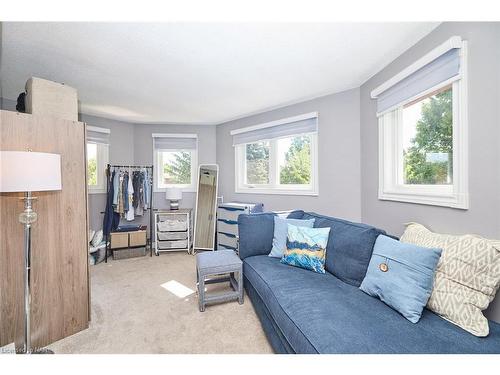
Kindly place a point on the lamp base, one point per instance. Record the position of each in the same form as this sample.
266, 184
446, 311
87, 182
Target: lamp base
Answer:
174, 205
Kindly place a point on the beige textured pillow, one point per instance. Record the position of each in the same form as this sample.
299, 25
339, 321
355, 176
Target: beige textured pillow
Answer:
467, 276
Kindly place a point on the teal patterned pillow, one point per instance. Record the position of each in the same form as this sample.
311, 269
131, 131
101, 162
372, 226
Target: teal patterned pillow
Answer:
306, 248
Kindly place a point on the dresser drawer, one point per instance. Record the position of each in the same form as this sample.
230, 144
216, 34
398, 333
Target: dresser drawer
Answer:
137, 238
227, 241
119, 240
172, 225
169, 236
165, 245
227, 226
172, 216
229, 213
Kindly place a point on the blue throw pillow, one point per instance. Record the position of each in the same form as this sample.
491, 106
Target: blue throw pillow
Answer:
281, 232
401, 275
306, 248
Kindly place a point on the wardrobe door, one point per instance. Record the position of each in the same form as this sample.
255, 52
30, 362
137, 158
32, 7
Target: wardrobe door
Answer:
60, 289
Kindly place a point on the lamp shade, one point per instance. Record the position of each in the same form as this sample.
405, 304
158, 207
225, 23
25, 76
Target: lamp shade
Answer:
22, 171
173, 194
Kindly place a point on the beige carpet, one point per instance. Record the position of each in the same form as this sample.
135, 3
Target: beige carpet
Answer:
133, 313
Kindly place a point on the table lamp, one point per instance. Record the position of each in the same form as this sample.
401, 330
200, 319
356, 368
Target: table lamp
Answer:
174, 195
27, 172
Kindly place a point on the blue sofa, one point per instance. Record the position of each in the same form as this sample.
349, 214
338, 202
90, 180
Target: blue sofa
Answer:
305, 312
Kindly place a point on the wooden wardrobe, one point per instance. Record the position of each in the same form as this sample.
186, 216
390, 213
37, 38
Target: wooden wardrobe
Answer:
60, 274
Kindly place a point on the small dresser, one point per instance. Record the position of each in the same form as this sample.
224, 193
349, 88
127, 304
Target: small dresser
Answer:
227, 222
173, 230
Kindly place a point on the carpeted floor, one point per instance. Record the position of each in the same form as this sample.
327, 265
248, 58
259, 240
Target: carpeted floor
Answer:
148, 305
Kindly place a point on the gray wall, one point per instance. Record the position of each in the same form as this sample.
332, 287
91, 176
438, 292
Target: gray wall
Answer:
133, 144
484, 78
121, 151
339, 157
7, 104
143, 152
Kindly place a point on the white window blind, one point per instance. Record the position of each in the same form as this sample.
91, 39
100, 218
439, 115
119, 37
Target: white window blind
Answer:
98, 135
443, 68
282, 128
174, 141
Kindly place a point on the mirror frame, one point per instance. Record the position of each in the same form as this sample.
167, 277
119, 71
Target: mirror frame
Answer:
196, 207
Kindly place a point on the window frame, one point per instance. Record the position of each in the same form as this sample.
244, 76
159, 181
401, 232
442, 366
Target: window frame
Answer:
391, 188
274, 188
102, 156
186, 188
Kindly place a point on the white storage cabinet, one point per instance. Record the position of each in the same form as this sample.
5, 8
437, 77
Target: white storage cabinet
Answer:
173, 230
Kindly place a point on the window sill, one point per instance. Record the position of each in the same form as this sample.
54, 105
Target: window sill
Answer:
454, 201
184, 190
276, 191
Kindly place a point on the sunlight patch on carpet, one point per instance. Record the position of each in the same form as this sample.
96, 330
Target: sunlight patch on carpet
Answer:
177, 289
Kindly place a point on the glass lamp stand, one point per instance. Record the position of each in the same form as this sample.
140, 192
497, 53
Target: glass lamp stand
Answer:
28, 217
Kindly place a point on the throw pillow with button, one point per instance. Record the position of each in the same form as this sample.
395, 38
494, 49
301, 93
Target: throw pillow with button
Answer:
401, 275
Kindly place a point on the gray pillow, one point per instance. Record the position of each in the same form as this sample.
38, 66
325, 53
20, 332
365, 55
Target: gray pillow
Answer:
281, 231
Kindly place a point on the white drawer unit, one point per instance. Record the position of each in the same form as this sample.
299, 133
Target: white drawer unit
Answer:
227, 241
172, 225
171, 236
173, 230
227, 226
227, 222
167, 245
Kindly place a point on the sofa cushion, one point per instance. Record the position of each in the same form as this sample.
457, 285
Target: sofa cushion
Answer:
401, 275
256, 231
326, 315
281, 233
349, 247
467, 276
305, 247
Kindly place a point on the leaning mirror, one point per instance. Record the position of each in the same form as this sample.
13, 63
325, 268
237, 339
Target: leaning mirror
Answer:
206, 206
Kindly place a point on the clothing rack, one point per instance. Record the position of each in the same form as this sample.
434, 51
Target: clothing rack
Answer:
112, 167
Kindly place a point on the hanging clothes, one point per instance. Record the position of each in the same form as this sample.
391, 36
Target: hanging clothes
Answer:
130, 191
115, 181
111, 218
119, 205
146, 189
128, 196
125, 192
138, 182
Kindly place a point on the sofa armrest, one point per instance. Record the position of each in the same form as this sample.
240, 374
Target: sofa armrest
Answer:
256, 232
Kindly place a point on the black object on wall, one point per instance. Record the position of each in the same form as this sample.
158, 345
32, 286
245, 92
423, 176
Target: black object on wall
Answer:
20, 106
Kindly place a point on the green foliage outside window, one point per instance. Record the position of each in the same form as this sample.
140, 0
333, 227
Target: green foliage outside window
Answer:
433, 136
297, 169
178, 171
92, 172
257, 159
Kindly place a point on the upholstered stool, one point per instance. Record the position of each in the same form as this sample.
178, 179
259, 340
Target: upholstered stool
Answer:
210, 267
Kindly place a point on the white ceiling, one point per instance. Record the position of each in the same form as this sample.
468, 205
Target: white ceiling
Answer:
203, 73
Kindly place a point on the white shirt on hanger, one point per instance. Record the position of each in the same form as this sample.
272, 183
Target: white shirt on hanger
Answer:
130, 215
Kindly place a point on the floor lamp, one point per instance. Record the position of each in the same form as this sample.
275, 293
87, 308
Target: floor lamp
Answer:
27, 172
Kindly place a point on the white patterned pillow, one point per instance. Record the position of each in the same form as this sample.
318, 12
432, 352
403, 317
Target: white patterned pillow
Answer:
467, 276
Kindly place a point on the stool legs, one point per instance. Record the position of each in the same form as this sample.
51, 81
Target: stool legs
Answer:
236, 285
240, 287
201, 292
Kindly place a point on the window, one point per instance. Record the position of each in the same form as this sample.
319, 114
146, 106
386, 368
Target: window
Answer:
97, 158
175, 161
427, 155
278, 157
423, 132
